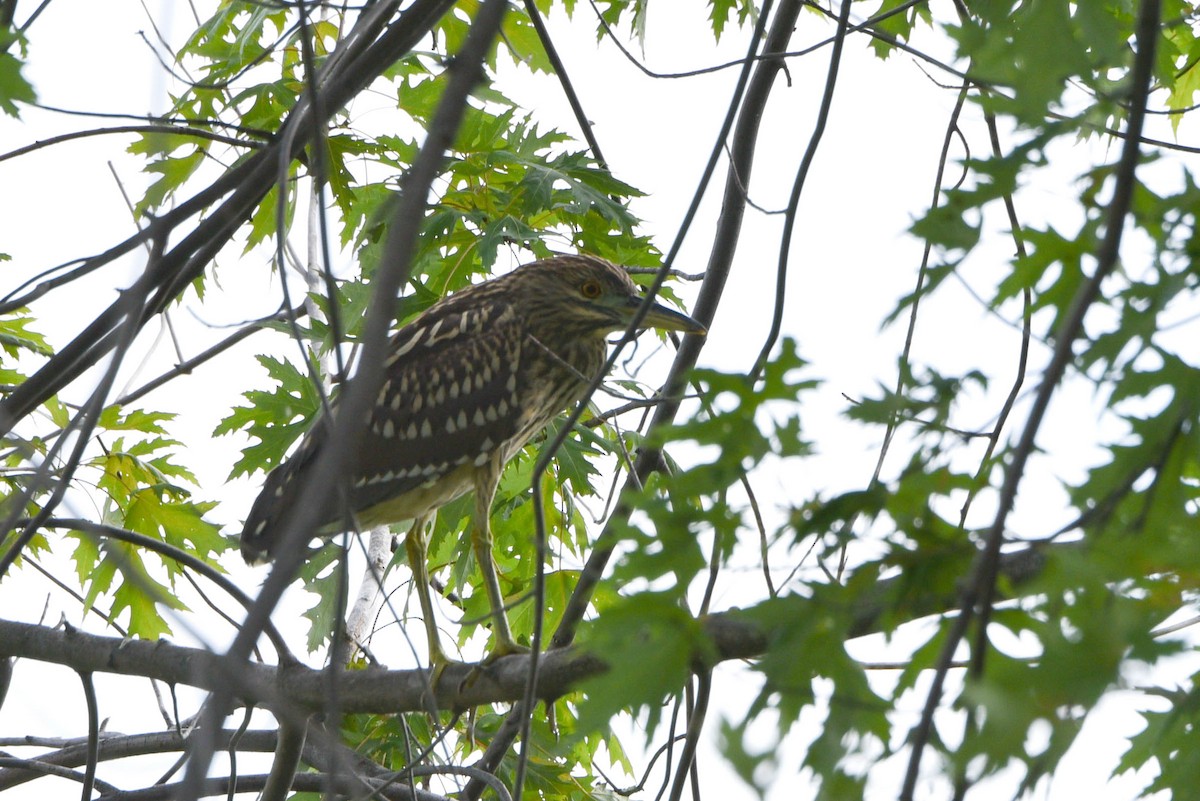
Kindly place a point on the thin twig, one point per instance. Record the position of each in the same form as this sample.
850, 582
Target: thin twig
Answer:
93, 735
186, 367
560, 70
172, 130
789, 220
687, 754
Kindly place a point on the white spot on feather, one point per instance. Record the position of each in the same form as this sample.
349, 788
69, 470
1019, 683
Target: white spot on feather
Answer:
405, 347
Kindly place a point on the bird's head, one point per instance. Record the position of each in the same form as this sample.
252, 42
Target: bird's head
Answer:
588, 295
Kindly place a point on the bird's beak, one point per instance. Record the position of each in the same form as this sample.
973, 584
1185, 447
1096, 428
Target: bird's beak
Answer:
667, 319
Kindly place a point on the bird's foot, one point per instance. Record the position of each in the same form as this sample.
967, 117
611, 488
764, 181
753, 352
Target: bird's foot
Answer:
438, 663
504, 647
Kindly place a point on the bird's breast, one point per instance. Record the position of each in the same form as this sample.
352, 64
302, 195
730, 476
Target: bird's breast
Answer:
554, 379
418, 500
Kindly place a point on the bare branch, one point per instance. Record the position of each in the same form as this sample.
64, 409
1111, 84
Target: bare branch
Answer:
124, 129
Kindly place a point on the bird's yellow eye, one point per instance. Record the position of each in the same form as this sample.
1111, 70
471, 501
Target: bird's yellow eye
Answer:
591, 289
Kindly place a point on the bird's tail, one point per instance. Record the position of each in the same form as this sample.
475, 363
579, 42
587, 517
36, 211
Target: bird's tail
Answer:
268, 516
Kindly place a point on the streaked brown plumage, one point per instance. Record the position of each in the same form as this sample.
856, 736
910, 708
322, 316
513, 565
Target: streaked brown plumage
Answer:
467, 384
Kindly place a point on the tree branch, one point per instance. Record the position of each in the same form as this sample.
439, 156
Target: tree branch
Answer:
197, 133
732, 636
119, 746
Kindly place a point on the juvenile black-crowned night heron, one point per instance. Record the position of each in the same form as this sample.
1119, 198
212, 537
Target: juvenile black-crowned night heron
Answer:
466, 385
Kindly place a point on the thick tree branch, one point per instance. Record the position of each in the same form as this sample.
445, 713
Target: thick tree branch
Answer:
119, 746
732, 635
37, 768
320, 752
301, 782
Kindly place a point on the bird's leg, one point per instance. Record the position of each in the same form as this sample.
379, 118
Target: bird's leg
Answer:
481, 543
415, 545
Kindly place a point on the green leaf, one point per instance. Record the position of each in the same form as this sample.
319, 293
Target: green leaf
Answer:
177, 523
142, 596
575, 458
1033, 50
899, 25
264, 221
720, 12
559, 586
320, 576
1170, 742
15, 336
276, 417
1183, 93
13, 86
86, 557
746, 760
158, 143
174, 172
112, 419
503, 231
650, 642
948, 226
521, 39
806, 640
98, 561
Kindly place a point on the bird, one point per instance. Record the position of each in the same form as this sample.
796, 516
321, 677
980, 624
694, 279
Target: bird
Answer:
466, 385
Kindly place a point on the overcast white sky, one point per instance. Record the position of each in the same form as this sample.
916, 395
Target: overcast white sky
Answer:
851, 260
